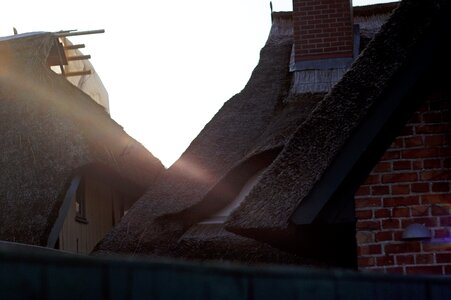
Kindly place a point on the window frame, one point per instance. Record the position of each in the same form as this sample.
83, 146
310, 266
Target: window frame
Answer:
80, 200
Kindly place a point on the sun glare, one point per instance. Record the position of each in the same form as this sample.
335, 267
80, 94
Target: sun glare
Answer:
168, 66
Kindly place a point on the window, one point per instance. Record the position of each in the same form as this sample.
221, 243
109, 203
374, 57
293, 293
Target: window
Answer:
221, 216
80, 203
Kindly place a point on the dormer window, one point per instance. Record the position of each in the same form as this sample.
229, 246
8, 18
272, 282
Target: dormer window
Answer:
221, 216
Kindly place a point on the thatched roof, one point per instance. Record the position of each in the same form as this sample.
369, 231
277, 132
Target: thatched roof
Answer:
370, 18
327, 147
50, 130
213, 242
245, 136
374, 9
255, 123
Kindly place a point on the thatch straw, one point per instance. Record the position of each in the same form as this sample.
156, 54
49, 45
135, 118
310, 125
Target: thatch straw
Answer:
50, 129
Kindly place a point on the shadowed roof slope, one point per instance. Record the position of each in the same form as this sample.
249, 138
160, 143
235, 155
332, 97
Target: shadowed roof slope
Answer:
50, 130
213, 242
244, 137
306, 172
255, 121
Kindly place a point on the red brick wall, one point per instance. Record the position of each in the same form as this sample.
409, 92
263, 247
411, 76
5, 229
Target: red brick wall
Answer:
322, 29
411, 183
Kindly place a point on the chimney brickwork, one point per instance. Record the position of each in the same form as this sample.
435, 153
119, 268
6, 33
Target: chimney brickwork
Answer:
325, 44
323, 29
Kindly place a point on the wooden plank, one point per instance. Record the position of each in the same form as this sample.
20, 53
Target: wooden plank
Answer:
20, 281
74, 33
78, 73
73, 47
74, 282
78, 57
99, 211
292, 289
56, 229
379, 290
29, 275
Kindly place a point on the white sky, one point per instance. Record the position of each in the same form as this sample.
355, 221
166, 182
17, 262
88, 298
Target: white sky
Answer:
168, 66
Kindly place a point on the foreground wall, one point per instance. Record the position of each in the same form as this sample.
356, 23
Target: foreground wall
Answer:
410, 184
44, 274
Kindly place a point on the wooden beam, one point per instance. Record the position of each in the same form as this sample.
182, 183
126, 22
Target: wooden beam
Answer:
73, 47
78, 73
64, 209
78, 57
66, 31
74, 33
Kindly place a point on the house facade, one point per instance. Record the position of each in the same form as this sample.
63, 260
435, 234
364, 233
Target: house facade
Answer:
69, 171
331, 164
97, 204
335, 154
410, 184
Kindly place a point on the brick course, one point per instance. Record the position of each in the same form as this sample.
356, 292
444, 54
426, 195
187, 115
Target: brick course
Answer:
410, 184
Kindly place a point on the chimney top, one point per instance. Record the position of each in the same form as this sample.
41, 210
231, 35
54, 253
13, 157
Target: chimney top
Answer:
323, 34
323, 29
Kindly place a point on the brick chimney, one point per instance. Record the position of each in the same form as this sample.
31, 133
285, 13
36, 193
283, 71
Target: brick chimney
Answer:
323, 40
322, 29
